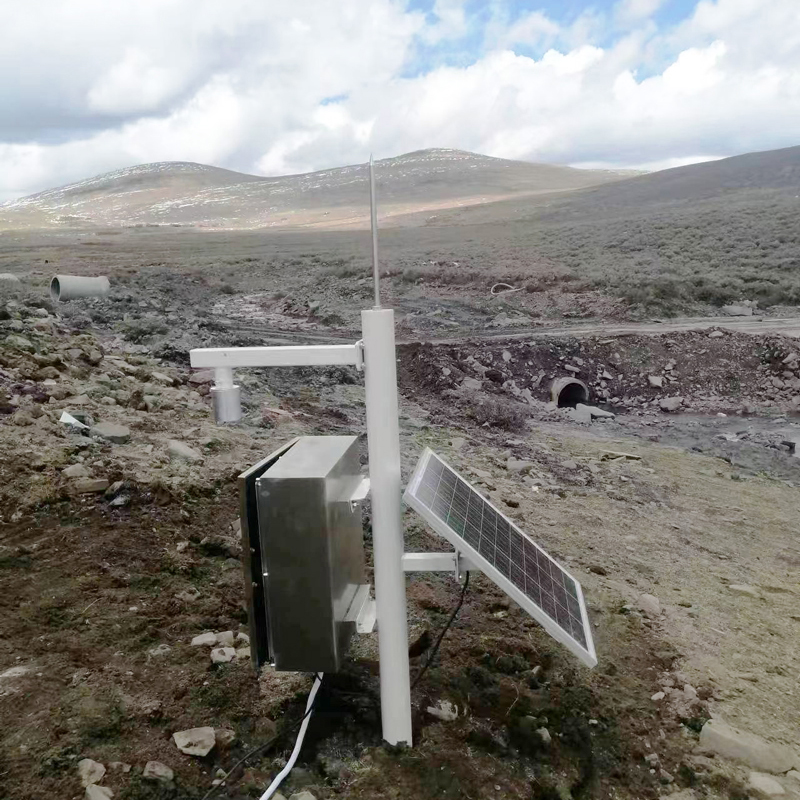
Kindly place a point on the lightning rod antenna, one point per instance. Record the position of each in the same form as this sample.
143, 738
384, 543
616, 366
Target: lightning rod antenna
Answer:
373, 209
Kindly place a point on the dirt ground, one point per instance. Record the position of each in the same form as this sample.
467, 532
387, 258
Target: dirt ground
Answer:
105, 588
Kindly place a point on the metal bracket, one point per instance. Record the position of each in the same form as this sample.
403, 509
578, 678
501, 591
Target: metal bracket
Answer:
360, 355
359, 493
456, 562
362, 610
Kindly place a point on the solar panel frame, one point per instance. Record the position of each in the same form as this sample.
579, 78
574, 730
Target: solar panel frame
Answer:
512, 559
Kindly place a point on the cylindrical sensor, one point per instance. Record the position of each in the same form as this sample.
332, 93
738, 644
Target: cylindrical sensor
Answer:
227, 402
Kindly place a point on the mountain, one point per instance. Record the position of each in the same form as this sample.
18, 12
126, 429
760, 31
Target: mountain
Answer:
183, 193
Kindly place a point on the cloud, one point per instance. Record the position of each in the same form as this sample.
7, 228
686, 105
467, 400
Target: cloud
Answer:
277, 87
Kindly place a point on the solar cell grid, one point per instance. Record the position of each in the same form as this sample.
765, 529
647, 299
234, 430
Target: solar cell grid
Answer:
516, 558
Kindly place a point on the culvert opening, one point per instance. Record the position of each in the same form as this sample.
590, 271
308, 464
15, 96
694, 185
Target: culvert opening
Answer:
55, 290
568, 392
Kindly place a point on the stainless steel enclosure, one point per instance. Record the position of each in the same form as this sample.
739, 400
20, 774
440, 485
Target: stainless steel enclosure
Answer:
311, 551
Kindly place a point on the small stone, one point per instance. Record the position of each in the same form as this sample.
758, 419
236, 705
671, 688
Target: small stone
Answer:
161, 650
304, 795
689, 692
514, 465
737, 311
119, 766
794, 774
443, 710
17, 342
595, 412
715, 335
243, 653
98, 793
222, 655
570, 465
75, 471
243, 638
118, 434
656, 381
90, 771
506, 356
471, 384
457, 443
195, 741
652, 759
8, 278
650, 605
201, 378
765, 783
183, 451
90, 485
204, 640
225, 638
190, 596
160, 377
570, 368
744, 590
658, 697
670, 403
544, 735
225, 737
155, 770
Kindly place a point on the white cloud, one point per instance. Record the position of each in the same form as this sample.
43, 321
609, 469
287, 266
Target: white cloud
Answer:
630, 12
278, 87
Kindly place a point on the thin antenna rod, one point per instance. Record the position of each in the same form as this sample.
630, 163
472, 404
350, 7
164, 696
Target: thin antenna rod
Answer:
373, 209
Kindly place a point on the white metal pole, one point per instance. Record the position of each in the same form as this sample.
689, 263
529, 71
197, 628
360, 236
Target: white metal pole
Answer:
383, 435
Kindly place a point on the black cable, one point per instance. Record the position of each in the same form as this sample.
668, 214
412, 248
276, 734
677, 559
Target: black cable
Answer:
263, 747
435, 648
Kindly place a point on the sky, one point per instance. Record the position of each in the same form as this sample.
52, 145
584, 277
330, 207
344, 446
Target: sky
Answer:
274, 87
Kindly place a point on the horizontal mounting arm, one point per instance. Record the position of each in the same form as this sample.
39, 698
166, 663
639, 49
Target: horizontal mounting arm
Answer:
291, 356
436, 562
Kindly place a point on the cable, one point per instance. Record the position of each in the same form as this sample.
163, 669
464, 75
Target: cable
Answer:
435, 648
264, 747
273, 787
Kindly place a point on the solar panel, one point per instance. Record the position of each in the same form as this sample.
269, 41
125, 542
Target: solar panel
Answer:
502, 551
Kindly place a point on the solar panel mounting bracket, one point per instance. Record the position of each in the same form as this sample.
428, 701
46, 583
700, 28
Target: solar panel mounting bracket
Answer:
455, 562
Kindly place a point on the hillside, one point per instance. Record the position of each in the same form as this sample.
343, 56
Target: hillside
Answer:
183, 193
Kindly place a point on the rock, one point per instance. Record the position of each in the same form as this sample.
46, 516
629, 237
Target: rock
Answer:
745, 590
119, 766
670, 403
658, 697
160, 377
652, 759
111, 432
225, 639
570, 368
581, 413
202, 377
90, 485
161, 650
723, 740
715, 335
204, 640
656, 381
243, 638
75, 471
794, 774
304, 795
506, 356
471, 384
457, 443
90, 771
738, 311
764, 783
544, 735
243, 653
182, 451
98, 793
155, 770
225, 737
8, 278
443, 710
22, 419
115, 488
195, 741
191, 596
222, 655
650, 605
596, 412
512, 465
17, 342
570, 465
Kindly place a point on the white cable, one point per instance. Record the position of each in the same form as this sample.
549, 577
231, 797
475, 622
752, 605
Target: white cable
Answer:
273, 787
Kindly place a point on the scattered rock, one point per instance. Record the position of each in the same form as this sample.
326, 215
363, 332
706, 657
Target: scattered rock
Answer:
161, 650
715, 335
16, 342
443, 710
204, 640
155, 770
75, 471
160, 377
765, 783
457, 443
516, 465
570, 465
650, 605
225, 737
745, 590
597, 413
581, 413
471, 384
243, 638
222, 655
611, 455
737, 311
656, 381
90, 485
119, 766
544, 735
720, 738
195, 741
111, 432
98, 793
670, 403
658, 697
304, 795
183, 451
90, 771
225, 638
8, 278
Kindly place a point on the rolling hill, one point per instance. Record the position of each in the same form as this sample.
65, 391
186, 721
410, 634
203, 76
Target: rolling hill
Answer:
183, 193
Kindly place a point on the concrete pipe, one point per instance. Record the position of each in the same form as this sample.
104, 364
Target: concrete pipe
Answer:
568, 392
73, 287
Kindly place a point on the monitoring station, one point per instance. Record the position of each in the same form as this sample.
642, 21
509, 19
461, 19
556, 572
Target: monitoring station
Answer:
303, 538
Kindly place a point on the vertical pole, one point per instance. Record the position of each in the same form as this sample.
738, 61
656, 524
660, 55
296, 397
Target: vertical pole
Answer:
383, 434
373, 213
